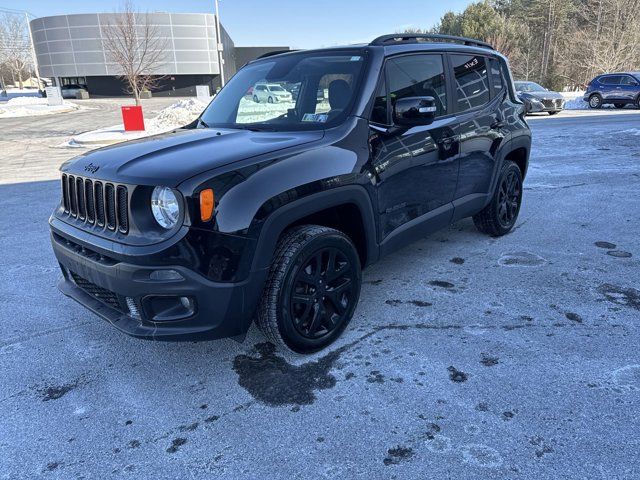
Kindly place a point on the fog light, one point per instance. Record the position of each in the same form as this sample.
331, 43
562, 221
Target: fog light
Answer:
165, 276
187, 303
133, 308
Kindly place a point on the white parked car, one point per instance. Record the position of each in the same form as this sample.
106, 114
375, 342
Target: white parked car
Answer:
71, 90
270, 93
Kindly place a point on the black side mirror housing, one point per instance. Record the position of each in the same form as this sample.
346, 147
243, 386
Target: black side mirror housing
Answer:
412, 111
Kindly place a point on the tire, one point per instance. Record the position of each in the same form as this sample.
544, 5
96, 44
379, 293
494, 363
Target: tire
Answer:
638, 102
306, 262
270, 100
256, 99
619, 105
499, 217
595, 101
554, 112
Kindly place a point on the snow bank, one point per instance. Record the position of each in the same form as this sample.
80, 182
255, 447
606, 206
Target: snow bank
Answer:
174, 116
177, 115
33, 106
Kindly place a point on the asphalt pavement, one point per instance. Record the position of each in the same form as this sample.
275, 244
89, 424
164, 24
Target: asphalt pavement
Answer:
468, 357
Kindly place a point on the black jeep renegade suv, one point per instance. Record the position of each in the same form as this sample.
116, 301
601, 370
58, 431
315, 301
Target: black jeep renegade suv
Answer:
271, 210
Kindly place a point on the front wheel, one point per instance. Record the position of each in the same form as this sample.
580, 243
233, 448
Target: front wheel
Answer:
270, 100
256, 99
499, 217
554, 112
595, 101
312, 289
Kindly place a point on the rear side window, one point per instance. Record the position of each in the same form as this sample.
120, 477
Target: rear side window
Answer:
418, 76
611, 80
497, 76
471, 80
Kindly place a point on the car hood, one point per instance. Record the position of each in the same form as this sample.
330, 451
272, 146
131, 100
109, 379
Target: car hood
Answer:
169, 159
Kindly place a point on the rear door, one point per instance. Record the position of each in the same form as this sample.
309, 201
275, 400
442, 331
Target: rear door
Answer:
481, 125
416, 168
611, 87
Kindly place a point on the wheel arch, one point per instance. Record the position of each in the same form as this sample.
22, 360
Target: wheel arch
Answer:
347, 209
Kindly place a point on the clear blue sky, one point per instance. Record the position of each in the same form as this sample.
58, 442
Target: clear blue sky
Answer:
296, 23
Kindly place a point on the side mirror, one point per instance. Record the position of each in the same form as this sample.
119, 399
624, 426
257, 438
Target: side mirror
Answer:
412, 111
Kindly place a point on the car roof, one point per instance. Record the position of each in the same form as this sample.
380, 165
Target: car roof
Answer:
400, 47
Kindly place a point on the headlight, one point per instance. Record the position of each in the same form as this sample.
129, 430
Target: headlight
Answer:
165, 207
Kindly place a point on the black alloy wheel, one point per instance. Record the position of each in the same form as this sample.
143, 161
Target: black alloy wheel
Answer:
509, 198
312, 289
323, 291
500, 215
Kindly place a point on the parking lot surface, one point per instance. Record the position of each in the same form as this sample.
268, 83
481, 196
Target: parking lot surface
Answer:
468, 356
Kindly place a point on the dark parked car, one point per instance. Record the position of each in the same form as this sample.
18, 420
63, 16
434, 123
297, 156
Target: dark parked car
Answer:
539, 99
271, 215
619, 89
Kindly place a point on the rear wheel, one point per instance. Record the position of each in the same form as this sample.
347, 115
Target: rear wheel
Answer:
618, 105
554, 112
270, 99
499, 217
312, 289
256, 99
595, 101
638, 101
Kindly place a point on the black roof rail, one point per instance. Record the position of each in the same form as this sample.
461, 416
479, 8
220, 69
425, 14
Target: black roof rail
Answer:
415, 37
275, 52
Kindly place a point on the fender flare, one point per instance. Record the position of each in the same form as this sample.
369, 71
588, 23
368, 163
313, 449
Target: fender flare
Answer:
279, 220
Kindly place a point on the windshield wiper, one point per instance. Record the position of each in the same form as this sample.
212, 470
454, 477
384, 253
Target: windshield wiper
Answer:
255, 128
203, 123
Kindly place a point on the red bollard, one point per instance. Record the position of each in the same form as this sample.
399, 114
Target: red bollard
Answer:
132, 118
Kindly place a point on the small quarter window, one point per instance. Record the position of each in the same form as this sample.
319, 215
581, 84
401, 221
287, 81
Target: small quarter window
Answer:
379, 113
472, 81
497, 77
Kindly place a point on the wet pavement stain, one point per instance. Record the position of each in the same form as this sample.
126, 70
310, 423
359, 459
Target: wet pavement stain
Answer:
456, 375
627, 297
375, 377
273, 381
420, 303
457, 260
521, 259
574, 317
607, 245
397, 454
441, 284
619, 254
176, 443
489, 361
56, 391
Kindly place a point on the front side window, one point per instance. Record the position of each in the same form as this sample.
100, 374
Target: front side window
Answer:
418, 76
471, 80
295, 91
628, 80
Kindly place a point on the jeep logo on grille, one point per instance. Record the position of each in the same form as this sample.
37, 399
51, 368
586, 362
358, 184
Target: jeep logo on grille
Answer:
91, 168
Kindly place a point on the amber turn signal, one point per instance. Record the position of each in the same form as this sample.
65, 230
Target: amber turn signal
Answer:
207, 203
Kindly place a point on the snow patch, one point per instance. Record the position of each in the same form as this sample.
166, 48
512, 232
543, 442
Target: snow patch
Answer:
33, 106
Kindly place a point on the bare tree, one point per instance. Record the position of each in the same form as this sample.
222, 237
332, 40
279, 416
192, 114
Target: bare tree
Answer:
136, 47
15, 53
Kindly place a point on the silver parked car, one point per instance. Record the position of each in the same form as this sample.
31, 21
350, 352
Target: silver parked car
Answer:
539, 99
271, 93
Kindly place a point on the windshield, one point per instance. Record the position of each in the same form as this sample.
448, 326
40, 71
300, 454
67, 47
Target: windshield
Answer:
315, 91
529, 87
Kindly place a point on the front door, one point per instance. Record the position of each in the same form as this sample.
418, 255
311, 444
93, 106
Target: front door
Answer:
416, 168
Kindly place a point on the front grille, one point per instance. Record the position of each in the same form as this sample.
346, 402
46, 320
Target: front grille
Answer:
96, 203
104, 295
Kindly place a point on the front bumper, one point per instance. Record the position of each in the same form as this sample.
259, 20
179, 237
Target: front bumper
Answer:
124, 294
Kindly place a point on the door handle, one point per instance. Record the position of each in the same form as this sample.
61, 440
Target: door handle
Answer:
446, 142
497, 123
